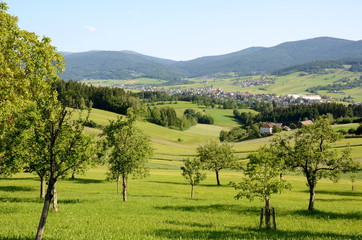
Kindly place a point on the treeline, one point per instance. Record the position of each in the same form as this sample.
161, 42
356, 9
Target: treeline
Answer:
338, 85
167, 117
154, 96
79, 95
200, 118
295, 113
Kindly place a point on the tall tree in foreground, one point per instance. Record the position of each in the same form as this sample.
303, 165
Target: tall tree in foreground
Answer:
216, 157
310, 150
191, 171
262, 179
129, 150
27, 67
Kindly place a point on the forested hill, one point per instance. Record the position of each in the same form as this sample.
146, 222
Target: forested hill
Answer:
117, 65
127, 64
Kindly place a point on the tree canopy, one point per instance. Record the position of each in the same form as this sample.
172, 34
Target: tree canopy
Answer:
192, 173
129, 150
215, 157
27, 65
310, 149
262, 178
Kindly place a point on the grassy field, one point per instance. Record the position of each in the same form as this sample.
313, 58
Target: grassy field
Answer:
159, 206
222, 117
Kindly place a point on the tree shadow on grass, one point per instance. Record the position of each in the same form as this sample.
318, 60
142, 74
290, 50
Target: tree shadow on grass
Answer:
189, 224
16, 238
17, 179
246, 233
338, 193
173, 183
232, 208
85, 180
22, 238
233, 118
317, 214
21, 200
68, 201
37, 200
16, 189
188, 184
336, 199
152, 196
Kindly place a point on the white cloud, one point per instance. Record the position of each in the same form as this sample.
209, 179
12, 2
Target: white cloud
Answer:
89, 28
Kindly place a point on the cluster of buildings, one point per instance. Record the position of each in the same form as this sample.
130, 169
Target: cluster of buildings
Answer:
264, 80
268, 128
233, 95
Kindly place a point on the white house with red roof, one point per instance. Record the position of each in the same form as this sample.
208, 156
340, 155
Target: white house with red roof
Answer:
267, 128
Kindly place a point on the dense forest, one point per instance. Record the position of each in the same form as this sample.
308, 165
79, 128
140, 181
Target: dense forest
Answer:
78, 95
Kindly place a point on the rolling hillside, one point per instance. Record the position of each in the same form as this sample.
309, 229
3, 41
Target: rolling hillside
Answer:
172, 146
127, 64
116, 65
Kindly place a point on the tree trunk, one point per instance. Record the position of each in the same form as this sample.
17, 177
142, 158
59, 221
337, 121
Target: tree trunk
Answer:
192, 191
261, 217
267, 214
55, 199
274, 218
311, 199
42, 187
44, 214
118, 179
124, 182
217, 177
73, 175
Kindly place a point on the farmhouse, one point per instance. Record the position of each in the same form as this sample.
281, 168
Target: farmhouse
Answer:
267, 128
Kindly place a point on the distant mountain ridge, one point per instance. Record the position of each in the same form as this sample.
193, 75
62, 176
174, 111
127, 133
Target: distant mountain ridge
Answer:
128, 64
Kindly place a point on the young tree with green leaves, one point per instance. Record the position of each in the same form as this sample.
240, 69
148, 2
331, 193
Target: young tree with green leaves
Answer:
192, 172
129, 150
310, 149
60, 144
262, 179
216, 157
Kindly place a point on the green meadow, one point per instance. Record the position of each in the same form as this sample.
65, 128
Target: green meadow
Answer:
160, 207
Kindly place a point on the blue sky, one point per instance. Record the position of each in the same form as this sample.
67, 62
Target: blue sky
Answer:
185, 29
